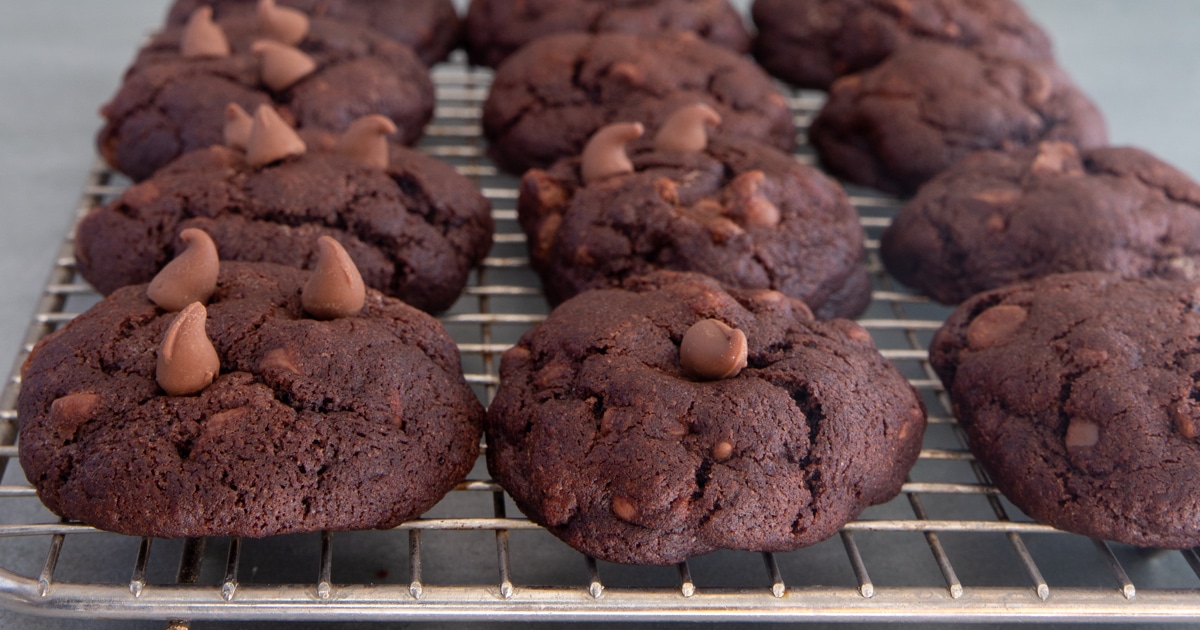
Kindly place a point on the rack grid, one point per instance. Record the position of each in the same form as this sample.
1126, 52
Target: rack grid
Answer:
949, 548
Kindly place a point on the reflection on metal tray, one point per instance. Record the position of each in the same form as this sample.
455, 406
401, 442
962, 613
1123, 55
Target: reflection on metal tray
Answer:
949, 548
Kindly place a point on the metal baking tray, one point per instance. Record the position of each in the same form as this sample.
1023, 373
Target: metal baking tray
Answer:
949, 548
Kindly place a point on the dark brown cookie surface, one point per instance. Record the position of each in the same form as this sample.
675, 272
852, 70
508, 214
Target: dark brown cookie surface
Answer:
739, 211
550, 97
353, 423
997, 218
1079, 396
414, 229
600, 436
169, 105
497, 28
895, 126
813, 42
430, 27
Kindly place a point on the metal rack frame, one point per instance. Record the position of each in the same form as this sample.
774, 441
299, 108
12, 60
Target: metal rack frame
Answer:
501, 302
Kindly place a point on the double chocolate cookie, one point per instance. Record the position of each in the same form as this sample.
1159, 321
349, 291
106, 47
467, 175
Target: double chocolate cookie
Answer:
895, 126
323, 77
295, 402
1079, 395
1001, 217
670, 418
739, 211
430, 27
412, 224
497, 28
813, 42
551, 96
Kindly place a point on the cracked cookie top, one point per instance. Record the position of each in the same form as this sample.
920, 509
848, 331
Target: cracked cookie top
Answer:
895, 126
552, 95
495, 29
740, 211
1001, 217
813, 42
1080, 397
355, 422
170, 103
430, 27
601, 434
414, 228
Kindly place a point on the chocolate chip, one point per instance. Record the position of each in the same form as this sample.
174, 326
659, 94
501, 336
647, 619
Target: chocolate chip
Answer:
278, 359
271, 139
1082, 434
187, 360
282, 66
335, 288
283, 24
623, 509
995, 325
604, 155
1056, 158
202, 37
686, 129
237, 128
190, 277
712, 350
366, 141
74, 409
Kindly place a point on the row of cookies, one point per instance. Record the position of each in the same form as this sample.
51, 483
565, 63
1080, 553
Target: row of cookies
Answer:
696, 386
252, 371
1069, 361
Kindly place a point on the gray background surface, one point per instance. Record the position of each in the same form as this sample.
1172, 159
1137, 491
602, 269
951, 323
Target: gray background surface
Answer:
59, 60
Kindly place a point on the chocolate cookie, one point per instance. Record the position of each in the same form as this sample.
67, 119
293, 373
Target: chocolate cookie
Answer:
552, 95
430, 27
1001, 217
1078, 393
251, 417
670, 418
497, 28
812, 42
895, 126
412, 224
173, 98
739, 211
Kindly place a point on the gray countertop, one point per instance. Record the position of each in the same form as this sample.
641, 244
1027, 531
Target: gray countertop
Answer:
61, 60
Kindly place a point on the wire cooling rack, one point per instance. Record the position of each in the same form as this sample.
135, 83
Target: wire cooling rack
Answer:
949, 548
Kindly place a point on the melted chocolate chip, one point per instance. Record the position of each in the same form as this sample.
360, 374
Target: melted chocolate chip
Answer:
712, 350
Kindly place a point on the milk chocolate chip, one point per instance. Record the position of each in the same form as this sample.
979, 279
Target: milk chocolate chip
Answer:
687, 129
202, 37
604, 155
995, 325
366, 141
271, 139
624, 510
237, 127
190, 277
336, 287
1082, 434
187, 360
282, 66
74, 409
712, 350
283, 24
746, 199
1056, 158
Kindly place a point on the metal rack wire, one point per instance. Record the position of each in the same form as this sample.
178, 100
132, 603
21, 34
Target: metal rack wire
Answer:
949, 548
